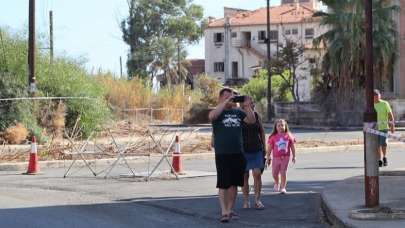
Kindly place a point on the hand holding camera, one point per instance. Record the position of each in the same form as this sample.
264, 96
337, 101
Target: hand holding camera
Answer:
238, 99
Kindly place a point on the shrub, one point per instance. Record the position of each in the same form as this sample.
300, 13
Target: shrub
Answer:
209, 89
16, 134
64, 78
125, 94
257, 88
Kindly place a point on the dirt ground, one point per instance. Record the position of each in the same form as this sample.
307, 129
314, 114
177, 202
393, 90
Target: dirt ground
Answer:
104, 147
133, 141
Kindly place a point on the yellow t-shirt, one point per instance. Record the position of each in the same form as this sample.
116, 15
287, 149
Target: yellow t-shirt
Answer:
383, 109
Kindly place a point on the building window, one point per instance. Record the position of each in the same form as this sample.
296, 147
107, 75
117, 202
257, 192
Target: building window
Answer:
287, 32
294, 31
219, 67
261, 36
219, 37
312, 60
273, 36
234, 35
309, 33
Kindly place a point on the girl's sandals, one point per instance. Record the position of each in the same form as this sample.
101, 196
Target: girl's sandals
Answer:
246, 204
234, 216
225, 218
259, 205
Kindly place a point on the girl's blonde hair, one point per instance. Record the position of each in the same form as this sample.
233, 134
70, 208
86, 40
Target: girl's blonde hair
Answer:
286, 130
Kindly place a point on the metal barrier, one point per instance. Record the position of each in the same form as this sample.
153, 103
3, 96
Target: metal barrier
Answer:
153, 115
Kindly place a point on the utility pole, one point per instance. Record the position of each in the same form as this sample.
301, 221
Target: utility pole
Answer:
226, 43
178, 62
120, 67
51, 36
269, 105
31, 48
371, 181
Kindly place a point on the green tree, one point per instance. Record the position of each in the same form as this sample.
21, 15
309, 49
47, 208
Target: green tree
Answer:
166, 61
290, 57
153, 28
257, 87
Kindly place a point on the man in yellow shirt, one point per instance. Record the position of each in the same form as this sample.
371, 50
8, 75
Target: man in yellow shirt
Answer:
385, 121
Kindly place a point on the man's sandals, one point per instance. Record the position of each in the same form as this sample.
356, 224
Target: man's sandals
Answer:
227, 217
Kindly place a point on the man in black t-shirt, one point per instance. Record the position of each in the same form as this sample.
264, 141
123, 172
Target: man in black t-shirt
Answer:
228, 144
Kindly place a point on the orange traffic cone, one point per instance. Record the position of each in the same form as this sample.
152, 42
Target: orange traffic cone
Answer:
33, 166
176, 163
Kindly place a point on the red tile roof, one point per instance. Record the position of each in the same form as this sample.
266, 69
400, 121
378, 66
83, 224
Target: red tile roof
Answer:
288, 13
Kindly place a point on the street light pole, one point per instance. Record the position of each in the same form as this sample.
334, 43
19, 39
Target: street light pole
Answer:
371, 181
269, 107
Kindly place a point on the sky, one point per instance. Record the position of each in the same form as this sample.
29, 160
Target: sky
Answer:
89, 29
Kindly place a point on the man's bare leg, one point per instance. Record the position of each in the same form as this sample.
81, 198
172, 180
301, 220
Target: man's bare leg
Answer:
384, 151
232, 192
223, 200
384, 154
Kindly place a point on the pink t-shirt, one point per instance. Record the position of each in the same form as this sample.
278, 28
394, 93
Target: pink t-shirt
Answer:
281, 144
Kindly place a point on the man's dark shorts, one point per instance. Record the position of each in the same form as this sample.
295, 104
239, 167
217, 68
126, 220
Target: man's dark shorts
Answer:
382, 140
230, 170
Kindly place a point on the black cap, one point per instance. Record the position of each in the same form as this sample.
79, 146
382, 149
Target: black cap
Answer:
376, 92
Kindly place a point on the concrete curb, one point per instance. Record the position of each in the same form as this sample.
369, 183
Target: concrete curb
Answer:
330, 215
335, 221
21, 166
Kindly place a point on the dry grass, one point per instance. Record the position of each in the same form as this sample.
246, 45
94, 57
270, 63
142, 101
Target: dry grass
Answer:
126, 94
15, 134
135, 94
58, 120
319, 143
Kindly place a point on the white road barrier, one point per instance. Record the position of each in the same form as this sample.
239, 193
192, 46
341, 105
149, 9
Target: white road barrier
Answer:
369, 128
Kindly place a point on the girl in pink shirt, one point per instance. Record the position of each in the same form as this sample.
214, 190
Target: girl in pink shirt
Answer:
281, 143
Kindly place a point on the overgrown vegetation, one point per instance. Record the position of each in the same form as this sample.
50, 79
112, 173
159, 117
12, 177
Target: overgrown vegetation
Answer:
257, 87
64, 78
136, 94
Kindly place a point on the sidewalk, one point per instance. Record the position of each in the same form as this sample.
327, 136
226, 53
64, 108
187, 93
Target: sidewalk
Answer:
343, 198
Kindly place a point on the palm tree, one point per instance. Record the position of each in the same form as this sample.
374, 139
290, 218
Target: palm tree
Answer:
345, 42
166, 61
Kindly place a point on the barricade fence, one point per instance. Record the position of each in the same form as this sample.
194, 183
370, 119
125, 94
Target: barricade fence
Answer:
372, 128
152, 115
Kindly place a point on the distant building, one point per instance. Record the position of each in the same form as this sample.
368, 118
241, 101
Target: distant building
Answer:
235, 46
195, 68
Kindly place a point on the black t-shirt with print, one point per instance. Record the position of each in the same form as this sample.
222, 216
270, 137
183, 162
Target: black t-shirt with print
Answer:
227, 130
252, 141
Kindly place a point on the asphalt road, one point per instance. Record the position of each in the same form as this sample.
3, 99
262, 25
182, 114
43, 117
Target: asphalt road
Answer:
48, 200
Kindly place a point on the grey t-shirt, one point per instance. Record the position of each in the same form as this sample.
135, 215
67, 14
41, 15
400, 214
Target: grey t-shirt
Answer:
227, 130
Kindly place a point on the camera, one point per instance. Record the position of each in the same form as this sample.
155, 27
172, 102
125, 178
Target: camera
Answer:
238, 99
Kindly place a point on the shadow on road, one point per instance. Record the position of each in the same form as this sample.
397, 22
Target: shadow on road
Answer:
299, 208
